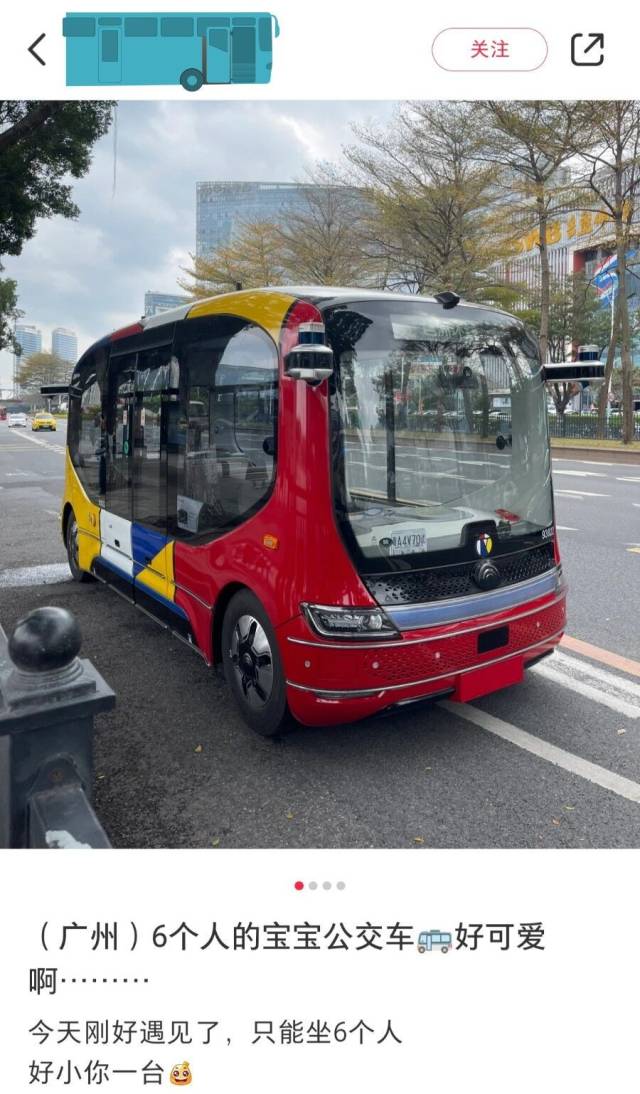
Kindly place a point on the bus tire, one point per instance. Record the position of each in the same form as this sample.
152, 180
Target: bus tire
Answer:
71, 543
191, 79
252, 665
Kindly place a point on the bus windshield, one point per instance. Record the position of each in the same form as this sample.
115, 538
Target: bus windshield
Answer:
438, 425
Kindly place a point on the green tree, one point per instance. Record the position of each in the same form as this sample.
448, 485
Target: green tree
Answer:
530, 143
613, 177
42, 144
323, 240
432, 225
9, 314
250, 260
42, 368
576, 318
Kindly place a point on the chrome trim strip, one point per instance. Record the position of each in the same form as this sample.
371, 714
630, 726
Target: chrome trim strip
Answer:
194, 596
414, 616
430, 638
333, 694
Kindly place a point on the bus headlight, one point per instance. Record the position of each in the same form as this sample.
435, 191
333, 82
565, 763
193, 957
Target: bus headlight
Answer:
349, 622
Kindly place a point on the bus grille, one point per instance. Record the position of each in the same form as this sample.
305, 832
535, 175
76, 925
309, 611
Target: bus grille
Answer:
451, 582
454, 653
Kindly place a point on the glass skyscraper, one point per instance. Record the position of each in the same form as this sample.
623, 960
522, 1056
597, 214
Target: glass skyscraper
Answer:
29, 338
155, 302
64, 344
221, 206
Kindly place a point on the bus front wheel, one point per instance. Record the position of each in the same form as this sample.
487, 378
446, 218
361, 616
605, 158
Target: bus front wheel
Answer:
252, 665
192, 79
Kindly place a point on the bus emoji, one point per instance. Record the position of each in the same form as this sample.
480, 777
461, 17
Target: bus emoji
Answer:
151, 48
429, 940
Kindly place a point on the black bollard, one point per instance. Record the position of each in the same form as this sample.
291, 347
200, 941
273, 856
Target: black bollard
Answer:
49, 698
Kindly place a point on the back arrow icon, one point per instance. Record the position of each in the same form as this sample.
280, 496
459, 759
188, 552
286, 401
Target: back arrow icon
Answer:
32, 49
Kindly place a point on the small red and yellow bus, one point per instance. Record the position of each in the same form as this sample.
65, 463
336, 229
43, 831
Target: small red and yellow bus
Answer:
311, 487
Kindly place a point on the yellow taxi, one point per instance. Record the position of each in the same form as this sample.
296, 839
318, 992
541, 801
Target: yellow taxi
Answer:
43, 420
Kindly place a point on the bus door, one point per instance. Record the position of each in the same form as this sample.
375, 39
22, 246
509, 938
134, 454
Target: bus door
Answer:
116, 554
218, 56
110, 54
151, 549
243, 52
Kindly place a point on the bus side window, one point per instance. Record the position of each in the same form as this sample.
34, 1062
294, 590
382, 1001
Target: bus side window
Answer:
264, 35
74, 27
86, 422
149, 450
140, 27
176, 27
230, 405
119, 434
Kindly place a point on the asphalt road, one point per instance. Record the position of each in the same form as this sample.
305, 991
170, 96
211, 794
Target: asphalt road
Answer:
553, 762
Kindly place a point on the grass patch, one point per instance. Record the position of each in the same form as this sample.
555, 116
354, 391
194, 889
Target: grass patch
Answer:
618, 446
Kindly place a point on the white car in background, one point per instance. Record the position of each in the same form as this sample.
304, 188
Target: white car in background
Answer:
17, 418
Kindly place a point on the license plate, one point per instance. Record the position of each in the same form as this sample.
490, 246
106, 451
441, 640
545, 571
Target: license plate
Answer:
409, 542
489, 678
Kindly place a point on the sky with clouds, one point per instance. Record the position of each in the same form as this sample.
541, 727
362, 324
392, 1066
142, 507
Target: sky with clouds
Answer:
91, 274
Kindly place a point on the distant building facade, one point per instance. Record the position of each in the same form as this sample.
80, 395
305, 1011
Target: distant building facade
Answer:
64, 344
155, 302
579, 241
222, 206
29, 338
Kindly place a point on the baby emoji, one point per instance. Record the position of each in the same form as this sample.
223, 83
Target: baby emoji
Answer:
180, 1075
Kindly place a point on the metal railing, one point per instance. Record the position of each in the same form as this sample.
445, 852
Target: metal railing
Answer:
585, 426
49, 698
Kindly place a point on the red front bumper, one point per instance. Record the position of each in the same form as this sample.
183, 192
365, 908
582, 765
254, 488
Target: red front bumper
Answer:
334, 681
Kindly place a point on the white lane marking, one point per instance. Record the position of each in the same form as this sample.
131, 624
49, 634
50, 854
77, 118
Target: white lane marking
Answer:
50, 574
601, 776
564, 528
593, 463
582, 474
581, 667
636, 504
60, 838
45, 444
582, 494
630, 709
53, 513
619, 479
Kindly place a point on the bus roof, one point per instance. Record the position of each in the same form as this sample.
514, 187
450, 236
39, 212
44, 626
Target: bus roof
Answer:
316, 294
320, 293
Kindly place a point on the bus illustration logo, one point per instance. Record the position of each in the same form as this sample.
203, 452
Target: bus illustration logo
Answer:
484, 545
166, 48
430, 940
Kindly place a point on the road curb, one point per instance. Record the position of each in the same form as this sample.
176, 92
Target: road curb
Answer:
603, 455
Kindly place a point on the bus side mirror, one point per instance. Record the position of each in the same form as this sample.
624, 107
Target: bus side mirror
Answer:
54, 389
585, 371
311, 362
